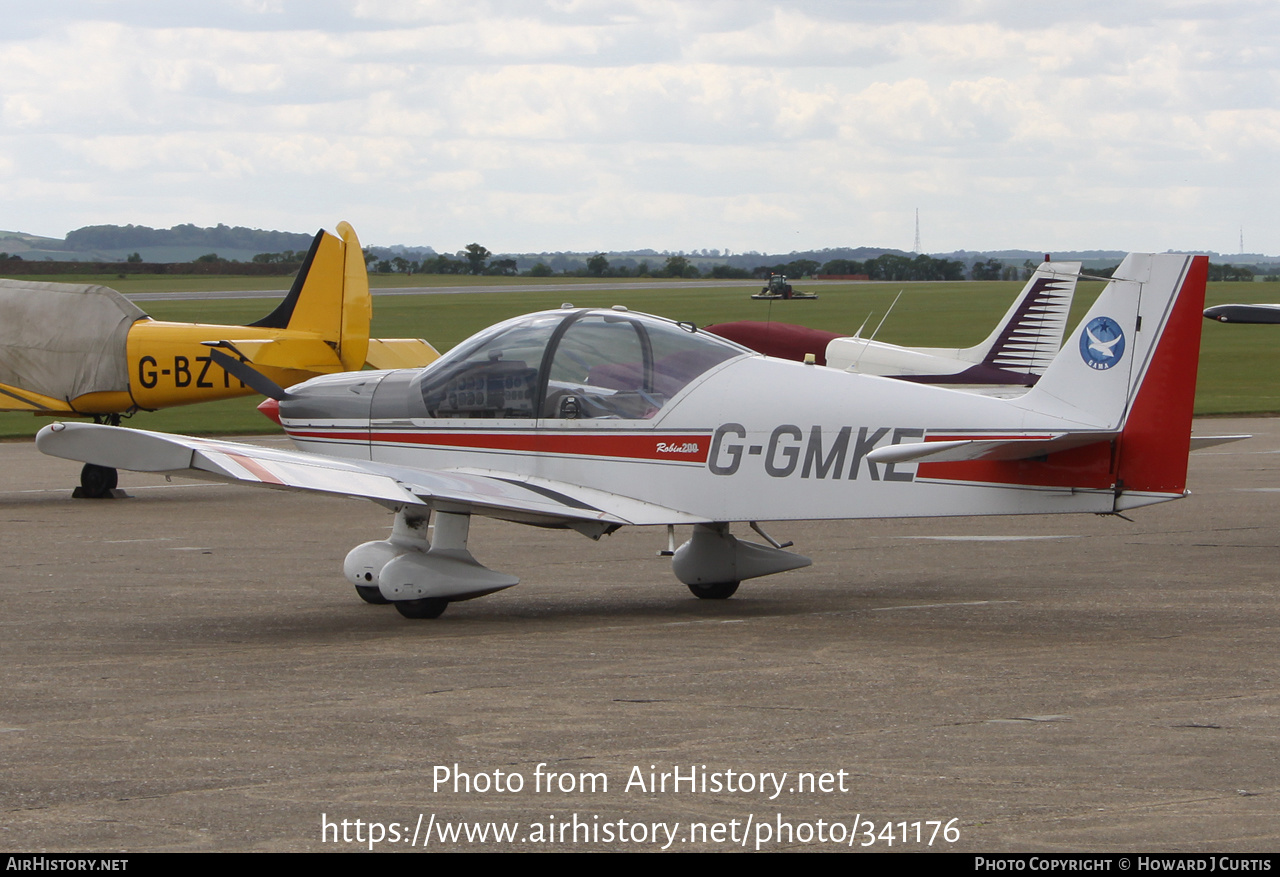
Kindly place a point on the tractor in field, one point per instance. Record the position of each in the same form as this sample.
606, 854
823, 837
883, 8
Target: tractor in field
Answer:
778, 287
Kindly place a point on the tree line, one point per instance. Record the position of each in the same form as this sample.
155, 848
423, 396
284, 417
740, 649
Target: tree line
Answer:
286, 250
476, 259
113, 237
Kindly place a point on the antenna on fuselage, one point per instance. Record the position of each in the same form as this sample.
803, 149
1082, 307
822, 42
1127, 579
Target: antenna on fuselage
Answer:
877, 330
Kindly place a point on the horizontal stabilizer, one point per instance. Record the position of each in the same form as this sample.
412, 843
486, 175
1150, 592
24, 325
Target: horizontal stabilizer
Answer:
1002, 448
1200, 442
387, 353
302, 354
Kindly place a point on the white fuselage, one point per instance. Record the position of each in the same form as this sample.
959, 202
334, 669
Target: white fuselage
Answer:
755, 438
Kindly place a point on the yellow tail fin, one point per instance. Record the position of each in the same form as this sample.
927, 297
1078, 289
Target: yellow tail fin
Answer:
357, 304
330, 297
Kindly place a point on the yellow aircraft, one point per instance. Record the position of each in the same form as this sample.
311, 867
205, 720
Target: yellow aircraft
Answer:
73, 350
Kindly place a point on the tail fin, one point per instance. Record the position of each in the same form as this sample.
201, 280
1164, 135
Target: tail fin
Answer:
1157, 431
1131, 367
1030, 335
330, 297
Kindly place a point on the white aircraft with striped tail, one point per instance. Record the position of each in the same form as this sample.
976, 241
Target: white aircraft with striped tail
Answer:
1014, 354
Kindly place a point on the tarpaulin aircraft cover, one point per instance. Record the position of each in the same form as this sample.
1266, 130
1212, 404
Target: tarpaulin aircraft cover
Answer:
64, 340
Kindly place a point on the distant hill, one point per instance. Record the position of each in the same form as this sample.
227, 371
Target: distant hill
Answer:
184, 243
31, 246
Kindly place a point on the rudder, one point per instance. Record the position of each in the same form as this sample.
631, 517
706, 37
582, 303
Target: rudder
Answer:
357, 302
1028, 337
330, 297
1157, 432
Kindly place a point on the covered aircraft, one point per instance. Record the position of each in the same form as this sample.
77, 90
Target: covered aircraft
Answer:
593, 419
89, 351
1016, 352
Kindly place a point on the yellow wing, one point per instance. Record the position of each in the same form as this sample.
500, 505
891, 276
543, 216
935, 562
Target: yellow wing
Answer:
16, 399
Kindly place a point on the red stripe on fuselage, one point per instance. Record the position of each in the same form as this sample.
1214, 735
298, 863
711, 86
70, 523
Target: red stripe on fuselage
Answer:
648, 446
997, 437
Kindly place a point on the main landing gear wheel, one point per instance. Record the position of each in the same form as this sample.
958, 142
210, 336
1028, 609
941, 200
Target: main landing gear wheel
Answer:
97, 482
427, 607
370, 594
715, 590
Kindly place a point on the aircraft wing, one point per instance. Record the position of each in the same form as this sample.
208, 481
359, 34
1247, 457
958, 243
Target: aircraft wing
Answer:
18, 399
491, 494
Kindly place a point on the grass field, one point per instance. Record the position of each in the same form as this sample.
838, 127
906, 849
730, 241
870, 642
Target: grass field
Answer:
131, 283
1239, 365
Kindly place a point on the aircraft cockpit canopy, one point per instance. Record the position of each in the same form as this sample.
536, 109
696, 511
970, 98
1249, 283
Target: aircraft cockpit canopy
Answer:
570, 364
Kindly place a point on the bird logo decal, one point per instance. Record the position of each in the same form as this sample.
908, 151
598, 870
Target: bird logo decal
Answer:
1102, 343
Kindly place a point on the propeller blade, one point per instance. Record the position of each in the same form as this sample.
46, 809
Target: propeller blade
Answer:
249, 375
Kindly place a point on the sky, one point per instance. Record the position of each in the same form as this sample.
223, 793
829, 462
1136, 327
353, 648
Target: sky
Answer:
733, 125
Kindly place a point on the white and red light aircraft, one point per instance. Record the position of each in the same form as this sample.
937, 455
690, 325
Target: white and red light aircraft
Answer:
593, 419
1016, 352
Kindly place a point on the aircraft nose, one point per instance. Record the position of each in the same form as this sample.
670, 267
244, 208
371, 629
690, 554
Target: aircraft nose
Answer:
271, 408
340, 396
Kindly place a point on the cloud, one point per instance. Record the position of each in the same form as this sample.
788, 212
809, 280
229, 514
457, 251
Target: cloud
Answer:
662, 123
